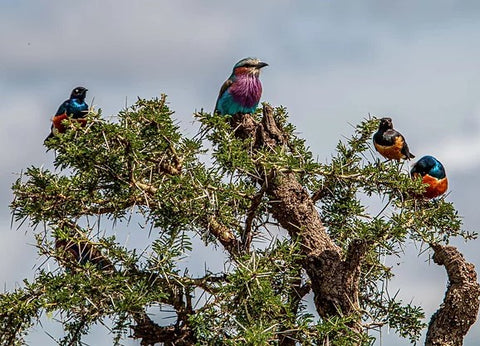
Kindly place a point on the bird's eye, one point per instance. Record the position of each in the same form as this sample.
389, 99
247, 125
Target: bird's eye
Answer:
76, 90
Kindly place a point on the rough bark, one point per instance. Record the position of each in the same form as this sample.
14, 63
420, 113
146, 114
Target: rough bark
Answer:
334, 278
180, 333
459, 310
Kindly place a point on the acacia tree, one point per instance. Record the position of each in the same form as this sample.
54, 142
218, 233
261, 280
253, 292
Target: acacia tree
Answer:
238, 179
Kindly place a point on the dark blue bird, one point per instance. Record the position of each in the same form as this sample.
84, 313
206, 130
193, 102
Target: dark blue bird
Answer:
241, 92
73, 108
433, 174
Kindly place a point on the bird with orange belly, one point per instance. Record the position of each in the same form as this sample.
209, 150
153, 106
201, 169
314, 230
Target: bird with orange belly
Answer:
390, 143
73, 108
433, 174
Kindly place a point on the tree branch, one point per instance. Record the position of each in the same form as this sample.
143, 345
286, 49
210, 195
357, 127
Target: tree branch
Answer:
224, 235
334, 281
451, 322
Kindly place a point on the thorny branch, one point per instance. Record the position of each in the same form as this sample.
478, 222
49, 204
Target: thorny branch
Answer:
224, 235
334, 275
335, 281
151, 333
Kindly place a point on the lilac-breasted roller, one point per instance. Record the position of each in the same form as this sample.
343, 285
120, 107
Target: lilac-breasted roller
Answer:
241, 92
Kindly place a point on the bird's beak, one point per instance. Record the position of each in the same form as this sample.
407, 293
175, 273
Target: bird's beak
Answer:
261, 64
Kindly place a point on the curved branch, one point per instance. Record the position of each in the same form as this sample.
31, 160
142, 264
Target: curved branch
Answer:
224, 235
460, 306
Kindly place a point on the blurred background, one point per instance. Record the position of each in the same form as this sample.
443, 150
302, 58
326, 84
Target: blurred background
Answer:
331, 64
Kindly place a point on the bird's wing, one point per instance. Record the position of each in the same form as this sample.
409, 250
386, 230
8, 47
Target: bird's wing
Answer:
63, 108
406, 150
394, 136
224, 87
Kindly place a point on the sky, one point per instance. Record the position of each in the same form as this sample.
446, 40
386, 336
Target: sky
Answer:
331, 63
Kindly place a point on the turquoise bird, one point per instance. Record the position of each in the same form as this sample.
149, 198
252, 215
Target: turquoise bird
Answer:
241, 92
433, 174
73, 108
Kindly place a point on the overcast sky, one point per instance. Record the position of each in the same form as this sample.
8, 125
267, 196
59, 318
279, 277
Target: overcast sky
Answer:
331, 63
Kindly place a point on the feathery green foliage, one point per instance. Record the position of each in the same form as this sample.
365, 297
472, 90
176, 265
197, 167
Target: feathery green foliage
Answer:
142, 166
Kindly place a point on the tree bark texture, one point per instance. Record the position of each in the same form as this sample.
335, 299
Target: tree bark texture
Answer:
459, 310
334, 277
151, 333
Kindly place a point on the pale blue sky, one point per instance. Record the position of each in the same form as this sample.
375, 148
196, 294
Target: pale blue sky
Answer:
331, 63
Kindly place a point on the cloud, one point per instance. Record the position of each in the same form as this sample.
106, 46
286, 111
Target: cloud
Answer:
461, 153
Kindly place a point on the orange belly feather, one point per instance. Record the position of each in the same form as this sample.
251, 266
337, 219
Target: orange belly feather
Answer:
436, 187
392, 152
57, 122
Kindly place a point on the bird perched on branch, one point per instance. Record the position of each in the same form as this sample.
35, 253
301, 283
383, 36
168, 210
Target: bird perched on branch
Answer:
390, 143
73, 108
433, 173
241, 92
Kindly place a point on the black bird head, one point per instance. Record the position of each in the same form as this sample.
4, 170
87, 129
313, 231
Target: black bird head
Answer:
79, 93
385, 124
249, 65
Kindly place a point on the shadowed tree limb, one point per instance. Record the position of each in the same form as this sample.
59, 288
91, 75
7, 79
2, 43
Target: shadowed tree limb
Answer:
75, 252
458, 312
